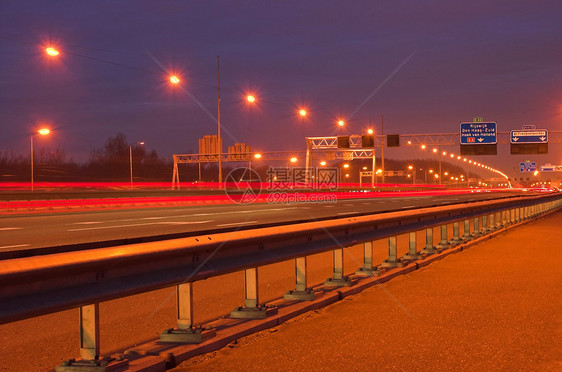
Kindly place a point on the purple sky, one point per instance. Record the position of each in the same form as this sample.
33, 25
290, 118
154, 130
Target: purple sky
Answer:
501, 60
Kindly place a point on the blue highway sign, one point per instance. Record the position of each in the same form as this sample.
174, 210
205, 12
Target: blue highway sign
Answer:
528, 166
529, 136
476, 133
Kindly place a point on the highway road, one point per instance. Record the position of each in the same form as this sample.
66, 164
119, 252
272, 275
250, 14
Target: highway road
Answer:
28, 233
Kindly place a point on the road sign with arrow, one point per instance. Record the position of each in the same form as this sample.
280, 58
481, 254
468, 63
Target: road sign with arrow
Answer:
478, 133
529, 136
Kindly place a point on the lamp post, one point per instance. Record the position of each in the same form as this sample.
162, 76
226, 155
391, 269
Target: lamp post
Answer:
43, 132
131, 161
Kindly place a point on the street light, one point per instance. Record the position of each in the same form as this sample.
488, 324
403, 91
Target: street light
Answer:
250, 98
302, 112
174, 79
43, 132
131, 160
52, 51
341, 123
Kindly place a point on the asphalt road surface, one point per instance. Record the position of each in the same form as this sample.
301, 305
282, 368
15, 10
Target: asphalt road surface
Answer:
83, 229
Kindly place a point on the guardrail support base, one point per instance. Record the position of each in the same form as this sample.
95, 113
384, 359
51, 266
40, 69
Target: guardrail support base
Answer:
187, 336
98, 365
306, 295
258, 312
342, 282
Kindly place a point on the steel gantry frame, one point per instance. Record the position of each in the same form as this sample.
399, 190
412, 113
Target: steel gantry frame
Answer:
330, 143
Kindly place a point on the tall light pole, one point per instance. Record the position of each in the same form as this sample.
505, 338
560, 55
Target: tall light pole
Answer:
382, 147
219, 122
43, 132
131, 160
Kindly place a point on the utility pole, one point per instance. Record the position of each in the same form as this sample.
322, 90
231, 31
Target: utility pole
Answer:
382, 147
219, 123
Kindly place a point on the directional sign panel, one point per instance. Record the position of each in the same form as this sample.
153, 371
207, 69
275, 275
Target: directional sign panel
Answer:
478, 133
529, 136
528, 166
548, 168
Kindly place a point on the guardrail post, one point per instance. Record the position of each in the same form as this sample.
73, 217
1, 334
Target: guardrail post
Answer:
429, 248
252, 308
301, 292
443, 244
338, 279
367, 269
412, 254
477, 228
466, 231
512, 216
90, 332
499, 220
186, 332
89, 343
484, 227
392, 260
492, 225
456, 234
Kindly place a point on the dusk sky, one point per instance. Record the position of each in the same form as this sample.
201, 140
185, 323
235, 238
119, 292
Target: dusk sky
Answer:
430, 65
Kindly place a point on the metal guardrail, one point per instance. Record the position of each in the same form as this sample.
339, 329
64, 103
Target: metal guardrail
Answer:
44, 284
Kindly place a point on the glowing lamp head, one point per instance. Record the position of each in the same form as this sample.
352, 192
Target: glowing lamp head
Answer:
43, 131
302, 112
346, 166
257, 156
423, 147
370, 131
341, 123
435, 150
52, 51
174, 79
293, 160
250, 98
410, 167
322, 163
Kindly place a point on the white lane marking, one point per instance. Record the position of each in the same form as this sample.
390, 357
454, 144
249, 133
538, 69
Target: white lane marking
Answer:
342, 213
329, 206
408, 206
348, 205
86, 223
10, 228
140, 224
236, 223
154, 218
366, 203
14, 246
